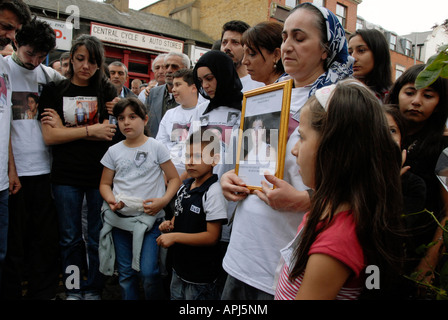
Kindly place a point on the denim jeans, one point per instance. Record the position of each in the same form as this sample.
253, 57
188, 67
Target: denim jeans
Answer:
183, 290
4, 196
149, 274
69, 202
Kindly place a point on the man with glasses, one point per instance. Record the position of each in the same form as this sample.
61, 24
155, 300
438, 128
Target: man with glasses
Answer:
160, 98
158, 68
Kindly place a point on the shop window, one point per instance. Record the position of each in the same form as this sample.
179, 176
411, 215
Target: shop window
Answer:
138, 68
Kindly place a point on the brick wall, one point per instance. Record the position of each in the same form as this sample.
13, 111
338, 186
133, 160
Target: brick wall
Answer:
214, 13
352, 9
400, 61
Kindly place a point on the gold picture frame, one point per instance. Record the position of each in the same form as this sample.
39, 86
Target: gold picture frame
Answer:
263, 133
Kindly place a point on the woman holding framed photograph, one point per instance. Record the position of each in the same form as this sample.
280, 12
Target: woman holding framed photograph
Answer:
266, 221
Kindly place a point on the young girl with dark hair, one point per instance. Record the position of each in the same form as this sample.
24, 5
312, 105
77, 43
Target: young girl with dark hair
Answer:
77, 151
133, 188
372, 60
348, 157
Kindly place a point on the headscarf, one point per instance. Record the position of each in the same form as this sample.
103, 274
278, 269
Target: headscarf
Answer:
228, 91
339, 62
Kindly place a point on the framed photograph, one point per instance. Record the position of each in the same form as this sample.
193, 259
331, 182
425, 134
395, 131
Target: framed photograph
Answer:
263, 133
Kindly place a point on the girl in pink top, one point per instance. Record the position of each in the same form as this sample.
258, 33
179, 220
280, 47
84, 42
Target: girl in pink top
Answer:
348, 157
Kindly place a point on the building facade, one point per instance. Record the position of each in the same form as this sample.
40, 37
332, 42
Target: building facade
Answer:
429, 42
208, 16
401, 48
191, 26
130, 36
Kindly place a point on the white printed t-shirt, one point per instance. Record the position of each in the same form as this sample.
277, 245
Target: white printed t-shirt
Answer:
5, 121
137, 171
173, 132
32, 156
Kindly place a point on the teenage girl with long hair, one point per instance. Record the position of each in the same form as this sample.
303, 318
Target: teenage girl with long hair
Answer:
77, 149
346, 154
372, 64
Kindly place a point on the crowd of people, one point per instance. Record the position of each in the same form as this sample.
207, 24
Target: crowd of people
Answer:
99, 180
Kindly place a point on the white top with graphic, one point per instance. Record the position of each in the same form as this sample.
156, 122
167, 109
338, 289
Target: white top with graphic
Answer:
225, 123
137, 171
5, 120
173, 132
32, 156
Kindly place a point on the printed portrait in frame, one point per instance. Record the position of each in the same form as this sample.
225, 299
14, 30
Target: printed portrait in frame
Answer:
263, 133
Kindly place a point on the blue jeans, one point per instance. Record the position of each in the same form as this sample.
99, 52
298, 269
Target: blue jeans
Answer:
69, 201
183, 290
129, 278
4, 196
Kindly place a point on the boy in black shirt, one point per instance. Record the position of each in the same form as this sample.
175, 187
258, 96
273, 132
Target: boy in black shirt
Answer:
194, 232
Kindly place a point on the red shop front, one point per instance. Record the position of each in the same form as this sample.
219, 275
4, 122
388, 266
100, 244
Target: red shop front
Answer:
138, 63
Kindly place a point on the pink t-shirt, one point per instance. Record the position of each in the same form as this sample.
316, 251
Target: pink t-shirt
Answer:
339, 241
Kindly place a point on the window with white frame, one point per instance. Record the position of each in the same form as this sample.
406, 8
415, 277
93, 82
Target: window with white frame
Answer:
359, 24
341, 13
408, 49
399, 70
319, 3
291, 3
393, 42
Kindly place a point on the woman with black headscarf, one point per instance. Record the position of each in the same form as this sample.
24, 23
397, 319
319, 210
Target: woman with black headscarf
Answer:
227, 90
217, 81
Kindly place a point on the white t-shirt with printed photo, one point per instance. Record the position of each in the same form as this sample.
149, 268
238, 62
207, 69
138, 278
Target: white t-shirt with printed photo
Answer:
225, 122
173, 132
32, 156
137, 172
5, 122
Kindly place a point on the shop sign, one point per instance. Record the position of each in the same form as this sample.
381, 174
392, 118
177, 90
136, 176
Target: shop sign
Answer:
63, 31
135, 39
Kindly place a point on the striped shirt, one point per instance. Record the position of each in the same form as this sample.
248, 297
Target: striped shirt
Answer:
339, 241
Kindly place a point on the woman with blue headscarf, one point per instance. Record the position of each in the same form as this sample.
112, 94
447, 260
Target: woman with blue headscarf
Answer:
314, 54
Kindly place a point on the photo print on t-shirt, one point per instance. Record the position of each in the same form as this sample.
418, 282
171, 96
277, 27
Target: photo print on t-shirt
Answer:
233, 119
80, 111
140, 157
179, 132
24, 105
4, 85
